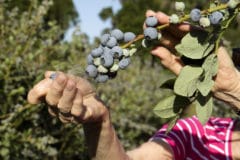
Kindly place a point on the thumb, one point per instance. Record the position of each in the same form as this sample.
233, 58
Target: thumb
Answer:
169, 60
38, 91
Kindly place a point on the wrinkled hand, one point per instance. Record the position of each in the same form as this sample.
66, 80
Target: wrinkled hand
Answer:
227, 79
70, 98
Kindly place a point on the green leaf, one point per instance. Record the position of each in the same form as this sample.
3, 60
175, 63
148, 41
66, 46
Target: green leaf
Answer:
170, 106
172, 123
168, 84
204, 107
210, 66
186, 83
195, 45
205, 86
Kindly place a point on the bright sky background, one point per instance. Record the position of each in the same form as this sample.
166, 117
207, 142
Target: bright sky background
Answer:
90, 22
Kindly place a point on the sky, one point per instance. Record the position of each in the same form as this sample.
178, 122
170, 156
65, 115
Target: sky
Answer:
90, 22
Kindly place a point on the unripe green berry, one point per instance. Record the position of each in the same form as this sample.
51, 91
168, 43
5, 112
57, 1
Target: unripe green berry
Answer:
233, 3
132, 51
102, 69
97, 61
126, 52
174, 19
204, 22
159, 36
179, 6
114, 68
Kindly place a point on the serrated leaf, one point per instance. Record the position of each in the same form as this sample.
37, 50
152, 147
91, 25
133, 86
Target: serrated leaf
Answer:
205, 86
168, 84
170, 106
210, 66
186, 83
195, 45
204, 107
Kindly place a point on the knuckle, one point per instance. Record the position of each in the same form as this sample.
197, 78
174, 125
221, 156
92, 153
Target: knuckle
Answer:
64, 106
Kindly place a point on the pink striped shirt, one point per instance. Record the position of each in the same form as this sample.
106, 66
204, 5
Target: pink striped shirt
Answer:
189, 139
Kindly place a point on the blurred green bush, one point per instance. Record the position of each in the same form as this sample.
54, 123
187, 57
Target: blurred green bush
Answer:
29, 46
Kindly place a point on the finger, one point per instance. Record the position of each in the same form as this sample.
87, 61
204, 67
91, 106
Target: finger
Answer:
53, 111
150, 13
169, 60
80, 111
77, 109
56, 89
169, 41
75, 120
64, 118
39, 90
85, 87
224, 57
66, 101
178, 30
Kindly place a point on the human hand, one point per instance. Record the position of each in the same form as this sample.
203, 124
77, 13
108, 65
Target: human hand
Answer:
70, 98
227, 78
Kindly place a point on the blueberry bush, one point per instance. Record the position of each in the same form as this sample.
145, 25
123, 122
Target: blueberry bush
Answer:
29, 46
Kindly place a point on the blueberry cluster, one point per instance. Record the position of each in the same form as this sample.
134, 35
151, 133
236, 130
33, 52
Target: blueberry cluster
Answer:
150, 32
204, 19
215, 18
105, 60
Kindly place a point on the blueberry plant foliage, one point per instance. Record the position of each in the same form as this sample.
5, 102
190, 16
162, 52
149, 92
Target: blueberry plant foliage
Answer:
193, 85
30, 45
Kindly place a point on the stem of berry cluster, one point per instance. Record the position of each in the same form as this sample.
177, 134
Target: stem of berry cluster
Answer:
139, 37
183, 19
223, 31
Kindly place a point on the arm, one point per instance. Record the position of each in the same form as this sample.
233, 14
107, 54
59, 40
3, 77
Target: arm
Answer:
73, 99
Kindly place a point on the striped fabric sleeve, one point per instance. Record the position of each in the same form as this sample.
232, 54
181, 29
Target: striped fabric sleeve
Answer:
181, 137
189, 139
176, 138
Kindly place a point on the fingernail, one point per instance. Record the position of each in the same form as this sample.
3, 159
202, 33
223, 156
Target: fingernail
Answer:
53, 76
